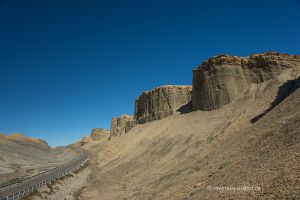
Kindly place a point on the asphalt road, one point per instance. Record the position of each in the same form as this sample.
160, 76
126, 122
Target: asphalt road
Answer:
18, 190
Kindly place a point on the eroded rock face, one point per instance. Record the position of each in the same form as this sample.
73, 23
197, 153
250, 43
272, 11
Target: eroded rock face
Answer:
222, 79
85, 139
121, 125
161, 102
99, 134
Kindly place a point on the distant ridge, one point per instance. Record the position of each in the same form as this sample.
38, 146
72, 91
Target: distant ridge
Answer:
18, 137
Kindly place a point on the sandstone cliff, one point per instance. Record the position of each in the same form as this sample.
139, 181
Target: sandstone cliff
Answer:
99, 134
161, 102
121, 125
85, 139
222, 79
201, 150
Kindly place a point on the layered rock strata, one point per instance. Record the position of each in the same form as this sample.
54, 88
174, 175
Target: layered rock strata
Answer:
99, 134
222, 79
161, 102
121, 125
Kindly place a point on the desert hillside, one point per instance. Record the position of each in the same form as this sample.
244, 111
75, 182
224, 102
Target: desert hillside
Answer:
243, 133
23, 156
233, 134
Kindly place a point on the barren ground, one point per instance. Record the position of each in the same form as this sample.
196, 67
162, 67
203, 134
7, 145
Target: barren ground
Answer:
22, 160
220, 154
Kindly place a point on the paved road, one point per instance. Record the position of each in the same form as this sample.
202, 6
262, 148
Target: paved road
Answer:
18, 190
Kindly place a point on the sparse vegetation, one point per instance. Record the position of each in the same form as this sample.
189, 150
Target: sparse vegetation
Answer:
78, 193
30, 195
82, 167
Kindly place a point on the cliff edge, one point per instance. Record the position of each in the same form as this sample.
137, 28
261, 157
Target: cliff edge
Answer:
161, 102
223, 79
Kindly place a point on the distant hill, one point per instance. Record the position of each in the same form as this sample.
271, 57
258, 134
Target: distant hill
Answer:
23, 156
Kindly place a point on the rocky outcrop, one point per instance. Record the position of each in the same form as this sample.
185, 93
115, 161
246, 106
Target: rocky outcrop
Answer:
85, 139
99, 134
222, 79
152, 105
161, 102
121, 125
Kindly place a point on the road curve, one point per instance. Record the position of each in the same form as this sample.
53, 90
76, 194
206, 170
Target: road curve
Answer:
21, 189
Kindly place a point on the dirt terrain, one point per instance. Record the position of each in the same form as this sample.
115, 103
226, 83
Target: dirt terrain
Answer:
248, 149
23, 156
240, 140
69, 187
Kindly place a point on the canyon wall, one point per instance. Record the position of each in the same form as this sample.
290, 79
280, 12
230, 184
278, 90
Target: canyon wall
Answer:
98, 134
161, 102
153, 105
222, 79
216, 82
121, 125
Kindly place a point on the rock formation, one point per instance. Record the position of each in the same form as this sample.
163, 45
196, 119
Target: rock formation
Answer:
121, 125
222, 79
99, 134
85, 139
161, 102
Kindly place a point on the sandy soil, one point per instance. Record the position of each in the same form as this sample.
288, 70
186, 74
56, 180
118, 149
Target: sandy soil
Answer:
220, 154
22, 160
67, 189
206, 155
71, 186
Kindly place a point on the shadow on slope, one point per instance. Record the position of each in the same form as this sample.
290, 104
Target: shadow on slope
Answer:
186, 108
284, 91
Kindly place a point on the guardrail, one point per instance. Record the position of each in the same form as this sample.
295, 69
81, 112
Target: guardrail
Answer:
5, 186
47, 177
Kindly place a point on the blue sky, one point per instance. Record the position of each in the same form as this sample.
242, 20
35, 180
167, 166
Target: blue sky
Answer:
67, 66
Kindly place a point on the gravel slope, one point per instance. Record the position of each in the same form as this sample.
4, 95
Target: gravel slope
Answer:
188, 156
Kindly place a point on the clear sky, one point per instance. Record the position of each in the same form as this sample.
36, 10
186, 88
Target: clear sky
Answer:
67, 66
